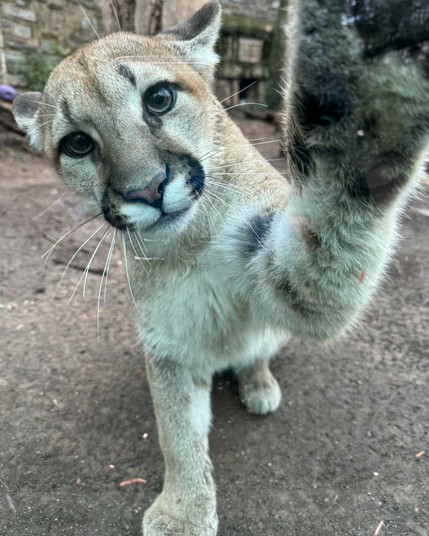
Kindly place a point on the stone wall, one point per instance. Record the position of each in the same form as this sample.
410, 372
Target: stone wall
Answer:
52, 27
57, 27
253, 9
244, 47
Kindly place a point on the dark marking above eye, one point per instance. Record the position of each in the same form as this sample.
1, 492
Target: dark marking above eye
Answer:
126, 72
82, 61
65, 109
255, 233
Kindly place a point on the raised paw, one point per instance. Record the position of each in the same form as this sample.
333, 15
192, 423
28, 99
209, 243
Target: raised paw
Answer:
168, 518
344, 80
259, 390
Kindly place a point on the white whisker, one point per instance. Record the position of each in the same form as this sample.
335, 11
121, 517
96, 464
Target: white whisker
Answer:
116, 15
76, 253
89, 20
240, 91
135, 251
140, 243
246, 104
229, 187
42, 104
143, 59
48, 208
149, 258
87, 267
101, 287
209, 219
112, 245
237, 147
214, 206
250, 162
127, 273
247, 173
51, 249
92, 258
40, 125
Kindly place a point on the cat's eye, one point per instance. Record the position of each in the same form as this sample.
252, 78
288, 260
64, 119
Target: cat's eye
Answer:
160, 99
76, 145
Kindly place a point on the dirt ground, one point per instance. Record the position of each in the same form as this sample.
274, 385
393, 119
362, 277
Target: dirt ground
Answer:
342, 455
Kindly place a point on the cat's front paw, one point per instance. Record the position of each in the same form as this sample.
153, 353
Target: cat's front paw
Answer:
167, 517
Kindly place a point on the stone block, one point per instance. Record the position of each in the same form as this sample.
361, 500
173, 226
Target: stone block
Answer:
5, 24
19, 13
56, 5
48, 46
230, 70
13, 59
23, 32
15, 80
250, 50
22, 46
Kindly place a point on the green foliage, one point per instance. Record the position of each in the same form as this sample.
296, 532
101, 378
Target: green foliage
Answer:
35, 68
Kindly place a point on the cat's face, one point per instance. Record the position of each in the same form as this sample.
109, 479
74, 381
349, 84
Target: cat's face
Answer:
129, 122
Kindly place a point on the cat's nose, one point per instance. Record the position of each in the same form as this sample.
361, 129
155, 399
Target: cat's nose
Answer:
153, 192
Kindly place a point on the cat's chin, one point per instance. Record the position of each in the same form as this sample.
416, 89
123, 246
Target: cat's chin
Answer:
173, 222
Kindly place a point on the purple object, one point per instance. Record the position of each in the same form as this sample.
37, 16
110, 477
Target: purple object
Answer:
7, 93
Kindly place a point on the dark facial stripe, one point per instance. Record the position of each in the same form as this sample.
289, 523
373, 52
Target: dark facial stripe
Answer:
126, 72
94, 84
255, 233
196, 175
83, 62
66, 110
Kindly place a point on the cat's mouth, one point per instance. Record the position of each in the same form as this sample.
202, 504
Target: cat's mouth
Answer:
123, 223
166, 198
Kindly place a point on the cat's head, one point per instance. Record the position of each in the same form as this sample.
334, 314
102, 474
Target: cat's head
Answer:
129, 121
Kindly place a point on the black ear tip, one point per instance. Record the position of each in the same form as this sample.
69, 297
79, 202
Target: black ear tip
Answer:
208, 12
199, 21
212, 8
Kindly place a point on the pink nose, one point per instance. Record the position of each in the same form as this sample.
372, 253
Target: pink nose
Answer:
153, 191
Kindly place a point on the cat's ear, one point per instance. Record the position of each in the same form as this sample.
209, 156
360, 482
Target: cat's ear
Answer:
195, 39
24, 108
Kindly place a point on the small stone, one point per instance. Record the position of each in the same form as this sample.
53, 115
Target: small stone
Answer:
22, 32
19, 13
